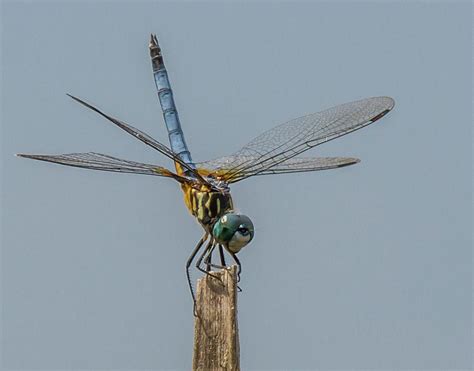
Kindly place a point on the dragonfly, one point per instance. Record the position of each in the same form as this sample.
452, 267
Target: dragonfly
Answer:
206, 185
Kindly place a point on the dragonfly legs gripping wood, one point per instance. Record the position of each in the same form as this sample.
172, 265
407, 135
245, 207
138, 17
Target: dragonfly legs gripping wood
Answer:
209, 264
188, 264
237, 261
207, 251
208, 259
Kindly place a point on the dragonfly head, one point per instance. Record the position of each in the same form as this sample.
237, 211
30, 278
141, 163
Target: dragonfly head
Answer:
234, 231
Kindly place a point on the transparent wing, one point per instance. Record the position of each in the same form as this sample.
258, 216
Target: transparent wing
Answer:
98, 161
145, 138
292, 165
278, 145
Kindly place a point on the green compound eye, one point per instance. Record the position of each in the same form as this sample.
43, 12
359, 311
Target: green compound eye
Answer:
234, 231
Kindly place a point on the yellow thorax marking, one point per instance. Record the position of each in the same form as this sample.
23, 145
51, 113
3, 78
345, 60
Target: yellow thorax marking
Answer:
200, 208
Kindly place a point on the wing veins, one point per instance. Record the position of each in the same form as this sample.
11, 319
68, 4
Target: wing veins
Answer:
363, 113
101, 162
143, 137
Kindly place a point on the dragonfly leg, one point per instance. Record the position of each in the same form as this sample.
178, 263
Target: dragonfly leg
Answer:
188, 264
221, 254
208, 259
208, 263
208, 250
223, 264
239, 270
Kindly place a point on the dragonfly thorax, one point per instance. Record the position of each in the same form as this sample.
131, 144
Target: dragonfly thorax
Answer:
206, 205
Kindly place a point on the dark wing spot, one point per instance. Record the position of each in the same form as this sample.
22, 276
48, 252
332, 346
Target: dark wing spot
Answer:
379, 116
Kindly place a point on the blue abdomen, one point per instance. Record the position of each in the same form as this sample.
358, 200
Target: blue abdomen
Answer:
170, 114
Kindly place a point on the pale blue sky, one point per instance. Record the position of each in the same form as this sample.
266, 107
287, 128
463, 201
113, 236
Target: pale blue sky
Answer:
366, 267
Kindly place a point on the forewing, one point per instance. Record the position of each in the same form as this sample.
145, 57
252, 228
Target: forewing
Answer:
290, 139
292, 165
304, 164
98, 161
145, 138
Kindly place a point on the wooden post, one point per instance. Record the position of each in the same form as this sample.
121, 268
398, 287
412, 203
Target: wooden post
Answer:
216, 334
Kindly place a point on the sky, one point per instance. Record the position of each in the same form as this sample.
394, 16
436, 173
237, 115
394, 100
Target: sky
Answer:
365, 267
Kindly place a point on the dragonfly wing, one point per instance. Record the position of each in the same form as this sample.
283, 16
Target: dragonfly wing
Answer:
145, 138
98, 161
292, 165
302, 164
294, 137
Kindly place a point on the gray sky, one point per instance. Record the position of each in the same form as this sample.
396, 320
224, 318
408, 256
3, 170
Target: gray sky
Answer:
362, 267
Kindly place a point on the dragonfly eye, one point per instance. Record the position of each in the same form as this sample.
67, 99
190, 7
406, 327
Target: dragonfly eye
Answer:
234, 231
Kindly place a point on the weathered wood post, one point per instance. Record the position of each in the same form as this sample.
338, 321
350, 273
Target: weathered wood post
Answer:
216, 334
